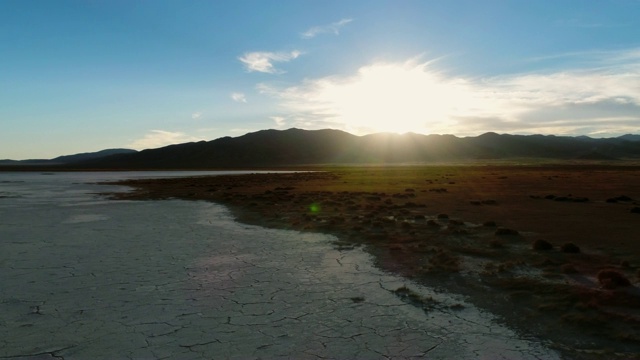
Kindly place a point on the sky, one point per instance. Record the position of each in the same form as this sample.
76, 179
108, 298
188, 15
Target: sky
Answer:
81, 76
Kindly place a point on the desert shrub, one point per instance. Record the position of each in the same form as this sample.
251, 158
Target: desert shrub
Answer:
506, 231
541, 245
377, 224
570, 248
395, 247
489, 224
443, 260
433, 223
456, 231
443, 216
496, 244
619, 198
612, 279
636, 210
568, 269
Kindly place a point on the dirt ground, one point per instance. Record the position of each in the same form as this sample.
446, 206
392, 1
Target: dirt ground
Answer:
554, 250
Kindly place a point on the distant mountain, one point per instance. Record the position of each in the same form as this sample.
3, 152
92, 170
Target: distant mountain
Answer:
24, 162
305, 147
262, 148
629, 137
68, 159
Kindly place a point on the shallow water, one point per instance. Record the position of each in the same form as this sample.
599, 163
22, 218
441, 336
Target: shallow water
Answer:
85, 277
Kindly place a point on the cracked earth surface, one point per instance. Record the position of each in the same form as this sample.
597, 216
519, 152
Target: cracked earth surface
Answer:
86, 278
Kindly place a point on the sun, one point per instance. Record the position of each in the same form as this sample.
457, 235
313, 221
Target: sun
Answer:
392, 98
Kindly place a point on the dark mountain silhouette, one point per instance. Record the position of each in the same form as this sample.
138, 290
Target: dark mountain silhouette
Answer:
630, 137
68, 159
305, 147
91, 155
31, 162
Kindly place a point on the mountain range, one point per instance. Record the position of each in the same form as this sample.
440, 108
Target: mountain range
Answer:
68, 159
305, 147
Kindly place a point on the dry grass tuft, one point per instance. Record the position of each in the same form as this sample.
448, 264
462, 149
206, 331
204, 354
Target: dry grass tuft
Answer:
568, 269
541, 245
570, 248
496, 244
612, 279
506, 232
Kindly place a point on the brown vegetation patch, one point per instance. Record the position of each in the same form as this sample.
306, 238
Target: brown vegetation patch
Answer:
570, 248
612, 279
506, 232
441, 238
542, 245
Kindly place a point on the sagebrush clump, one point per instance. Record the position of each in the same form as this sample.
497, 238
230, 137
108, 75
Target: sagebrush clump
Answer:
612, 279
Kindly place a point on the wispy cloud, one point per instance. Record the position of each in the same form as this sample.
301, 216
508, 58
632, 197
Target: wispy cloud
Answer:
263, 61
241, 130
416, 96
196, 115
159, 138
597, 59
279, 120
238, 97
333, 28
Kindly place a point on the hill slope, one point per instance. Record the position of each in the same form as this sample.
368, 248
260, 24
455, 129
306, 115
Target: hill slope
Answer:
67, 159
303, 147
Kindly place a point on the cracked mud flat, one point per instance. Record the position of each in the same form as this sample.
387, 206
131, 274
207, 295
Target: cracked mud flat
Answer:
85, 278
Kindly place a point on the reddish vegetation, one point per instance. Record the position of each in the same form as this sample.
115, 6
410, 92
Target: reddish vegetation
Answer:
475, 225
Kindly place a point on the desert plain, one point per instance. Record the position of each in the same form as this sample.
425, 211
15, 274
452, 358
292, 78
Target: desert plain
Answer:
553, 250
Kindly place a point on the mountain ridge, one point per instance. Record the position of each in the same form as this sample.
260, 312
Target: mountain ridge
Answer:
67, 159
293, 147
297, 147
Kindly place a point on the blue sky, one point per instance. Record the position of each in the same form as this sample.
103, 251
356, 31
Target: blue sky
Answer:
78, 76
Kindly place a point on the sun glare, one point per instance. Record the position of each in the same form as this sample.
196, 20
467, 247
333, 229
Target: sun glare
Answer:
392, 98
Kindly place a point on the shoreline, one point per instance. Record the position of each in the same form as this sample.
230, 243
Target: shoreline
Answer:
468, 230
88, 277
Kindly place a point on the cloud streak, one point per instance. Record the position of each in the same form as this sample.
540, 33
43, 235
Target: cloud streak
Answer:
238, 97
279, 120
603, 99
263, 61
159, 138
333, 28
